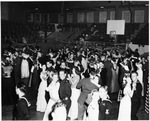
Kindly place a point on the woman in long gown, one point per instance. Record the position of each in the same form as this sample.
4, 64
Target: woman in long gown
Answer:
73, 113
54, 96
8, 85
125, 103
35, 76
41, 101
114, 81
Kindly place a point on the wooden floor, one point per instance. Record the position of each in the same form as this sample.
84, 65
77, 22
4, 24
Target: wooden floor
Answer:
34, 115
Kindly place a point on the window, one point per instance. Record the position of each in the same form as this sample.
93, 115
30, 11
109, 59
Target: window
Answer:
37, 17
90, 17
126, 16
139, 16
60, 18
69, 18
30, 17
48, 18
81, 17
102, 17
112, 15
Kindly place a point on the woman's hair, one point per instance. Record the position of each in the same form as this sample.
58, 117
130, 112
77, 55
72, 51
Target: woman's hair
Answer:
63, 70
22, 87
51, 61
77, 71
92, 71
113, 59
134, 72
55, 72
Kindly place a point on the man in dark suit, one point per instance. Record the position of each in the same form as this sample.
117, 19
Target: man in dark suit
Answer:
17, 66
26, 65
136, 98
21, 110
65, 90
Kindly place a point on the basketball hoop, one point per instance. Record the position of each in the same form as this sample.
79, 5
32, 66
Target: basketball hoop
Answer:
112, 34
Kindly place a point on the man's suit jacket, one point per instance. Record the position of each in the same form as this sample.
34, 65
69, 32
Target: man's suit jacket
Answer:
86, 87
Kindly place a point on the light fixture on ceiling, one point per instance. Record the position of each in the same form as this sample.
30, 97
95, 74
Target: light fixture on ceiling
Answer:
146, 4
36, 9
102, 7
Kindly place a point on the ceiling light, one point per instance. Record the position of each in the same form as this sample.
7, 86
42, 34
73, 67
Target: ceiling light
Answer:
36, 9
146, 4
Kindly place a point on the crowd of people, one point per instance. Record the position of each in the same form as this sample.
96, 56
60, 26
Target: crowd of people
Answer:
74, 83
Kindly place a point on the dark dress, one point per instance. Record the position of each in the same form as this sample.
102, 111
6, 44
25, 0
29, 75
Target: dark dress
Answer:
105, 108
22, 110
108, 65
35, 80
8, 87
136, 101
103, 76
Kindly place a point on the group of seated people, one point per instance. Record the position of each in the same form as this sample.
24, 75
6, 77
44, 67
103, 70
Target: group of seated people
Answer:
15, 32
75, 83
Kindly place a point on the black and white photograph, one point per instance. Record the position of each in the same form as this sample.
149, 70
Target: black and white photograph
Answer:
74, 60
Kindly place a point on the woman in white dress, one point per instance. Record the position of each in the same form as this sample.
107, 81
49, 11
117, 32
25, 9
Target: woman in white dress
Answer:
93, 107
54, 96
59, 113
41, 101
74, 79
125, 103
